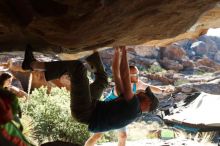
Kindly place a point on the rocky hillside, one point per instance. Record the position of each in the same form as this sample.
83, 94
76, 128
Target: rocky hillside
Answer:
195, 62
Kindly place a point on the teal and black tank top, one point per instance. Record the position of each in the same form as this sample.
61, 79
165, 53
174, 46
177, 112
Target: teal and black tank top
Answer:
112, 96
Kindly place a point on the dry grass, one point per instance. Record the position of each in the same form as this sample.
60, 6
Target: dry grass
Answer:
28, 131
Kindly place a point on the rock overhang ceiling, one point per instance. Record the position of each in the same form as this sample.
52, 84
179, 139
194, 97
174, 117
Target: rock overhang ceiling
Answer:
73, 26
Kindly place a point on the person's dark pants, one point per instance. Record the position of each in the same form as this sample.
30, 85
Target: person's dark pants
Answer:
83, 94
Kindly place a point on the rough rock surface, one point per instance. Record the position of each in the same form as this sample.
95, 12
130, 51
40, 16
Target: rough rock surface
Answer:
75, 26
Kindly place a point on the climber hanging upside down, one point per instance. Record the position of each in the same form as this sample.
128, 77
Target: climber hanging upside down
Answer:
85, 106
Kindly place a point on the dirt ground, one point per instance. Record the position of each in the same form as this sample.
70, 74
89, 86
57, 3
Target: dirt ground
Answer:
159, 142
139, 134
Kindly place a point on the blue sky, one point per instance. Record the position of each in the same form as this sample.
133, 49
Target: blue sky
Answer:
213, 32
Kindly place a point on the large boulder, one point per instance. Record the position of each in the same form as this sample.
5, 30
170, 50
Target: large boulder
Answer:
200, 48
171, 64
217, 57
72, 26
187, 64
208, 63
173, 52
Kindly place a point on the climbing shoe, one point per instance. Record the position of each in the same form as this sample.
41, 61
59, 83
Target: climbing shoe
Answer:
28, 58
95, 62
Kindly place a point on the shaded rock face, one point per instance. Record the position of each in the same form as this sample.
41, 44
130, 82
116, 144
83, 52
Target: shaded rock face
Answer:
87, 25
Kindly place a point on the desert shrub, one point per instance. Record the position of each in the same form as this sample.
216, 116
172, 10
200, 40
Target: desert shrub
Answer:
28, 129
180, 82
199, 72
155, 69
141, 68
52, 117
